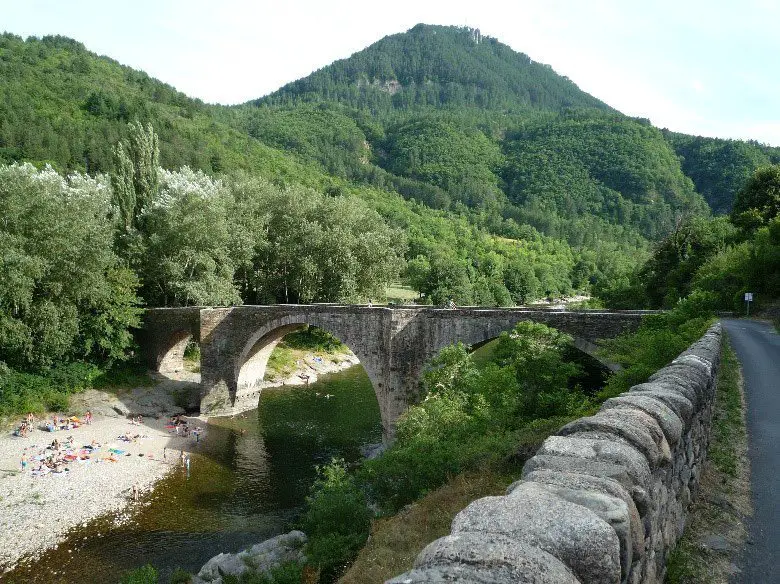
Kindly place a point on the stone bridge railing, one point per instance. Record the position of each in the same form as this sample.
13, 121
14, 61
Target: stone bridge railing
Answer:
604, 501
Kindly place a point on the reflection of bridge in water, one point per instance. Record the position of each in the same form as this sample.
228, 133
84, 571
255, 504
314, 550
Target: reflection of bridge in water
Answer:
392, 343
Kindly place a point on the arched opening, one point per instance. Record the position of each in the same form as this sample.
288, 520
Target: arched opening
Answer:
172, 357
292, 353
313, 394
594, 370
251, 372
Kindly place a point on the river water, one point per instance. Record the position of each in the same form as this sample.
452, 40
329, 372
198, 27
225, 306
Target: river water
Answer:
246, 484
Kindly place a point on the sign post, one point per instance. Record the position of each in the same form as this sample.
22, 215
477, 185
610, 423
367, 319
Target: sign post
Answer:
748, 300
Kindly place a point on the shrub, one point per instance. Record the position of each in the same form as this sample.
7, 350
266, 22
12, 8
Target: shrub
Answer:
180, 576
659, 339
288, 573
337, 520
144, 575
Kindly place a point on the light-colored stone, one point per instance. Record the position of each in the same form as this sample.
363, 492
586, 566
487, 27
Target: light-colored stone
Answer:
623, 426
677, 402
612, 510
496, 553
262, 558
600, 451
670, 423
605, 486
572, 533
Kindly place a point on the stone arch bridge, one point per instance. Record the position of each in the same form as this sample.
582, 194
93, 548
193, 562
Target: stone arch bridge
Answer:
392, 343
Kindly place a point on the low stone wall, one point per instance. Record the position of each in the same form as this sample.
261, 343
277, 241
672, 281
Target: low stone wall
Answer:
603, 501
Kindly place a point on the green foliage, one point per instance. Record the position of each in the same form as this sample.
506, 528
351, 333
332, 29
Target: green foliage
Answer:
337, 520
436, 66
144, 575
135, 179
313, 338
719, 168
52, 112
659, 339
758, 202
536, 355
49, 390
296, 245
436, 151
616, 168
187, 259
751, 266
288, 573
64, 294
321, 133
180, 576
667, 276
474, 415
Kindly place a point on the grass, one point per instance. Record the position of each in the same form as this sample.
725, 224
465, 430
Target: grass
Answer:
284, 359
395, 542
282, 362
724, 498
401, 294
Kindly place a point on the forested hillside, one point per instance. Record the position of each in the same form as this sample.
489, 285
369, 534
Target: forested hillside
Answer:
68, 107
719, 168
437, 66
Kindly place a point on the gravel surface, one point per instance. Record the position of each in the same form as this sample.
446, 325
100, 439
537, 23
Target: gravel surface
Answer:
37, 511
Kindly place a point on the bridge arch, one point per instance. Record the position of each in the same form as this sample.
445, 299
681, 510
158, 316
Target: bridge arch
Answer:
172, 356
165, 336
478, 337
251, 363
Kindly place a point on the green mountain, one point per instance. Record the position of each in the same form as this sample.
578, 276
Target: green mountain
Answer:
67, 106
441, 66
450, 118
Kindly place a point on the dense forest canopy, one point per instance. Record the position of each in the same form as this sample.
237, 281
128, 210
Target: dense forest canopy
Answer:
719, 167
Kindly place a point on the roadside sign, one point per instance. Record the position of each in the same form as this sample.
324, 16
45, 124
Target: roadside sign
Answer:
748, 297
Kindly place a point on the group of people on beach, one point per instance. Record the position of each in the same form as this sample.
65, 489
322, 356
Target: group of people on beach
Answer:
59, 454
54, 424
182, 427
56, 456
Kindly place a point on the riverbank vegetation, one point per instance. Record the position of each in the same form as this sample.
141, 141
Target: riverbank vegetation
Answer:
479, 420
475, 418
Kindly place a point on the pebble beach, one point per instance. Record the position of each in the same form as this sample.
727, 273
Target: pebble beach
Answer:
36, 511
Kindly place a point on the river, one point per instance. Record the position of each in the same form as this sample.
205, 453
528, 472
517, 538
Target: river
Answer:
245, 485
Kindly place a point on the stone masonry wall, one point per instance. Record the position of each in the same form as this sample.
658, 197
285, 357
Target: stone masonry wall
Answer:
602, 502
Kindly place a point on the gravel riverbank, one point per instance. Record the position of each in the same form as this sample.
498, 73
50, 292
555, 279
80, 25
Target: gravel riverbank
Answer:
36, 511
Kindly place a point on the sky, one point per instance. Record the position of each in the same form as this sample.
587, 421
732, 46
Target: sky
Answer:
709, 68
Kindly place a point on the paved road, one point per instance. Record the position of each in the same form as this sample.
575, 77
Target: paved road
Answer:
758, 348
